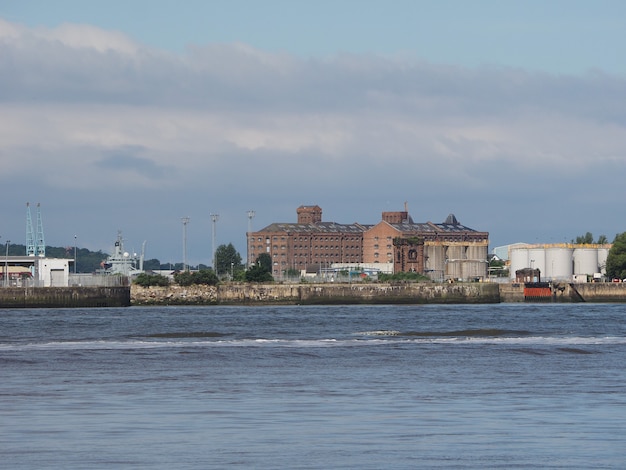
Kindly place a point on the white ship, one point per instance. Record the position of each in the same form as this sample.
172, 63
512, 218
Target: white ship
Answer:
122, 262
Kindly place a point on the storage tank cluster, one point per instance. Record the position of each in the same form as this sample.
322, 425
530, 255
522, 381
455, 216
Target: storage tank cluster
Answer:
565, 262
455, 262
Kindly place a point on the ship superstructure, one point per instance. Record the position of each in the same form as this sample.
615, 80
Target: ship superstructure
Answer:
122, 262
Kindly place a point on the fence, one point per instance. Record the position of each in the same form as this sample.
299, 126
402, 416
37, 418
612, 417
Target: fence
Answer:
98, 280
75, 280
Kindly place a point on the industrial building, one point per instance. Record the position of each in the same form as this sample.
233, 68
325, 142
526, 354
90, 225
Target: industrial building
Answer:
443, 251
34, 271
560, 262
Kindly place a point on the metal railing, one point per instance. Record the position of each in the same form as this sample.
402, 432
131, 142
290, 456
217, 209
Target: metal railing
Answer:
98, 280
74, 280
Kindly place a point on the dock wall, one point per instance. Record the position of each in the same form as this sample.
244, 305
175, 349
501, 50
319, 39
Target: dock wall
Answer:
567, 292
312, 294
60, 297
308, 294
593, 292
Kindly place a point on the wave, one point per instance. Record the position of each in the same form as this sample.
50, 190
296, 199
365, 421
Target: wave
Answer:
483, 332
564, 344
187, 334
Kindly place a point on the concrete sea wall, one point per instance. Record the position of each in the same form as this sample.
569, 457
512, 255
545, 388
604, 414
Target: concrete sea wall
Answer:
60, 297
569, 292
312, 294
307, 294
593, 292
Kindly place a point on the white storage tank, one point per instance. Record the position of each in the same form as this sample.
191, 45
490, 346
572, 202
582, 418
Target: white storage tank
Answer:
518, 260
559, 263
603, 253
585, 261
537, 260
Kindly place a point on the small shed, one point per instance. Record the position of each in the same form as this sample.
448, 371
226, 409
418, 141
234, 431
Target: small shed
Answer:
528, 275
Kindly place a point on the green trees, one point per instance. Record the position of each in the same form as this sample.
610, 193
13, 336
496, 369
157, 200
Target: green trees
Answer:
265, 261
616, 259
152, 264
227, 260
587, 239
261, 271
204, 276
497, 268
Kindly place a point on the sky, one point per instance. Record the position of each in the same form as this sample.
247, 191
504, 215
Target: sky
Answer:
130, 115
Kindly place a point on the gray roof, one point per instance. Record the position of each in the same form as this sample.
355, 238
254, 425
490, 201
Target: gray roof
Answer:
429, 227
320, 227
450, 225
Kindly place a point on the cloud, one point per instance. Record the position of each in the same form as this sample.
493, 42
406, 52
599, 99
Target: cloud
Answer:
88, 109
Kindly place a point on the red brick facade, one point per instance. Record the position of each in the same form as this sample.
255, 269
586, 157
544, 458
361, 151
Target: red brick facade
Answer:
446, 250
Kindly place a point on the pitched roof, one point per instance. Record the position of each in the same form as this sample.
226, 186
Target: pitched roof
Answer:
320, 227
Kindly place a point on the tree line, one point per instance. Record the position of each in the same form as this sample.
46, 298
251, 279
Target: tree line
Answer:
260, 271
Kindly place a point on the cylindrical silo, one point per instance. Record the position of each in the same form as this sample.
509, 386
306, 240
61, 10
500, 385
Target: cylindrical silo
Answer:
476, 266
537, 260
585, 261
455, 256
602, 255
559, 264
434, 261
518, 260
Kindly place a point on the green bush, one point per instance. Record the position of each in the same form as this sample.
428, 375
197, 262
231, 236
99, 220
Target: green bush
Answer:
204, 276
415, 277
183, 278
258, 273
147, 280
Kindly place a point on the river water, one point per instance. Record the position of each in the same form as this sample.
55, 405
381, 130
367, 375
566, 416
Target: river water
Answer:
368, 387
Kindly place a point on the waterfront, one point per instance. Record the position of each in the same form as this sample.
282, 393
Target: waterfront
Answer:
449, 386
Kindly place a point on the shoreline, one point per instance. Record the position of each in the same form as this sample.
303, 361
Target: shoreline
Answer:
312, 294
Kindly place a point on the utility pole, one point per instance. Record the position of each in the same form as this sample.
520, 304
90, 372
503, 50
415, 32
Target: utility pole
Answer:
185, 222
75, 236
214, 219
250, 217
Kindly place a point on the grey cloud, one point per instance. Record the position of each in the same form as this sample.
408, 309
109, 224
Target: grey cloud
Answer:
237, 77
126, 163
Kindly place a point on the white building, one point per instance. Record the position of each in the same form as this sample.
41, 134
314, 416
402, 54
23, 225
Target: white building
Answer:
34, 270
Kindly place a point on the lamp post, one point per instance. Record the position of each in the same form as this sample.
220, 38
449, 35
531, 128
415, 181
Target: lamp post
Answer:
248, 238
6, 264
75, 254
214, 219
185, 222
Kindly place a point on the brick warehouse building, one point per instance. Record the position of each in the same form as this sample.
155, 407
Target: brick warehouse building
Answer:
442, 251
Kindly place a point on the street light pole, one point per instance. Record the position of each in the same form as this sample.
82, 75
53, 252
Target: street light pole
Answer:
185, 222
214, 219
248, 238
75, 254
